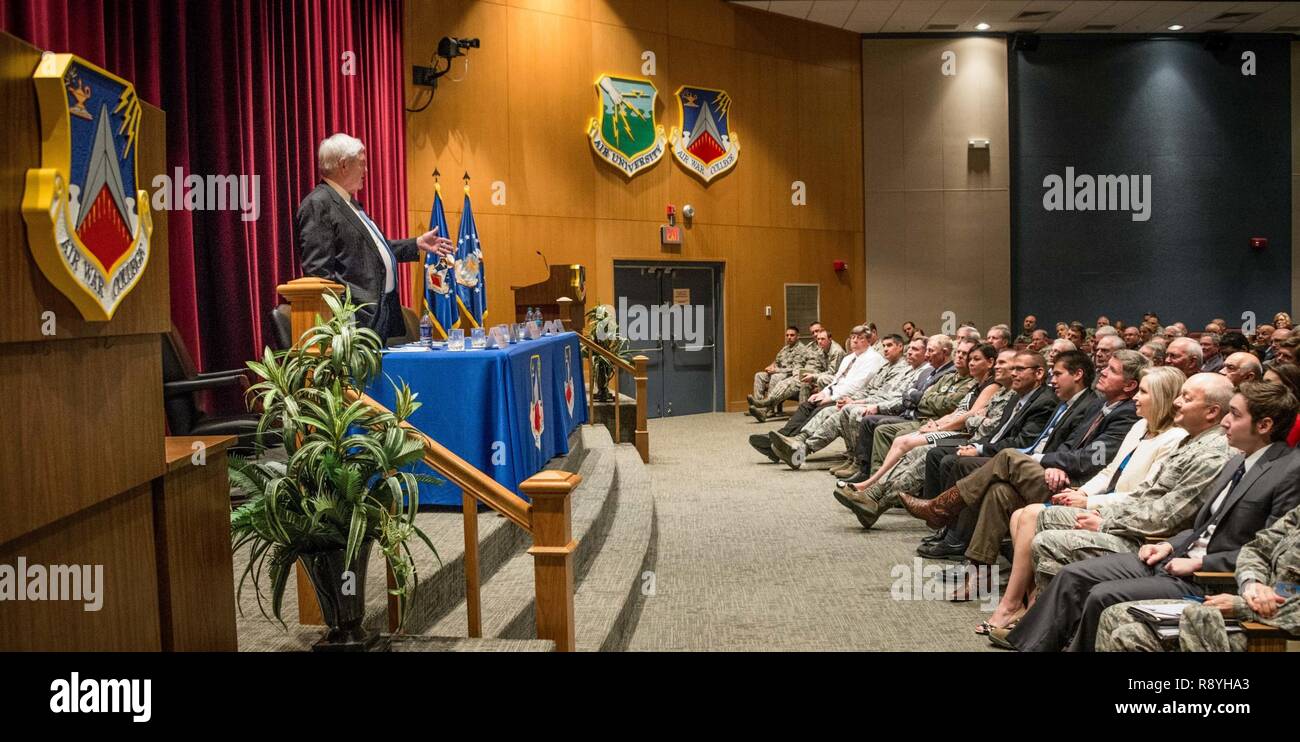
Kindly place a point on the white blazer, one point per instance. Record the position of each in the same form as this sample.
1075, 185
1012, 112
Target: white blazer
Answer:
1148, 456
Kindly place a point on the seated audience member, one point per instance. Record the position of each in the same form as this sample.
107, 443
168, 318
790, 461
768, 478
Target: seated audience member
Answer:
1076, 334
1038, 341
929, 392
1062, 330
885, 389
1103, 321
980, 361
853, 373
1277, 336
1103, 346
1173, 332
1087, 430
1233, 342
999, 336
1023, 425
1132, 338
1288, 375
1271, 558
1155, 352
1057, 347
1284, 351
1241, 367
1070, 534
824, 426
1260, 342
1151, 439
786, 363
1282, 321
1249, 491
815, 360
1027, 329
1184, 354
869, 499
909, 327
1211, 361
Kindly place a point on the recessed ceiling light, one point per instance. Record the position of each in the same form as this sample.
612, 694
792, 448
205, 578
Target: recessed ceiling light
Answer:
1176, 27
981, 26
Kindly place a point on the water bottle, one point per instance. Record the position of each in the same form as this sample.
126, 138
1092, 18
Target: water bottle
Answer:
426, 330
537, 318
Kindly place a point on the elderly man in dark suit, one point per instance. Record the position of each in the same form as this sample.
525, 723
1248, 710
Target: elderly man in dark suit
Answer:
338, 241
1253, 489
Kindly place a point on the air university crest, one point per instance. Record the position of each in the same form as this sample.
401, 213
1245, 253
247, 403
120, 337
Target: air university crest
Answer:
705, 144
88, 226
625, 133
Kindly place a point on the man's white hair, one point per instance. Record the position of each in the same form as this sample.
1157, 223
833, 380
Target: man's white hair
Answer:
336, 150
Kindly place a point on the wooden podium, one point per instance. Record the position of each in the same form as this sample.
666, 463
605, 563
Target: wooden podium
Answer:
562, 296
88, 478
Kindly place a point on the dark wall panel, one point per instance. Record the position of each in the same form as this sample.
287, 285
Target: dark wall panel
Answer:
1217, 145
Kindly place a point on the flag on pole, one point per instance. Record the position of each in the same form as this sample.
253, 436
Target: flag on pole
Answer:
470, 288
440, 276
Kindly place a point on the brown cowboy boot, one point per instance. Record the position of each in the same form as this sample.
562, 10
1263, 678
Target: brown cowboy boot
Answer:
938, 512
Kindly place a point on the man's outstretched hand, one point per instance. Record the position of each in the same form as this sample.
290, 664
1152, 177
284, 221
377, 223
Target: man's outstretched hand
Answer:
430, 242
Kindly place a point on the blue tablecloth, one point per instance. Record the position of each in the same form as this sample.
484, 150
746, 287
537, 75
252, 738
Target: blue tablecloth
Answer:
506, 412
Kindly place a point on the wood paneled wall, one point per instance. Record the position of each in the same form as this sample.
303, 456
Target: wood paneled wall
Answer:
520, 113
938, 234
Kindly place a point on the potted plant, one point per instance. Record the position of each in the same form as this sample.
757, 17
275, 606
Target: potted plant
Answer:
602, 328
342, 489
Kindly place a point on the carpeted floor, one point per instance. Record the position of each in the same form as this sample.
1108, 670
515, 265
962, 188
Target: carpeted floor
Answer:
754, 556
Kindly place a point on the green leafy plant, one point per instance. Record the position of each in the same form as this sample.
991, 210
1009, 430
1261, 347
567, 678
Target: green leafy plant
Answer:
342, 486
602, 328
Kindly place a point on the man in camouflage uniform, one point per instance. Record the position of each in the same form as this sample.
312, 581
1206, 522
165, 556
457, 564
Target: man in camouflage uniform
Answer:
1069, 534
815, 358
784, 365
1027, 329
1271, 559
883, 391
824, 427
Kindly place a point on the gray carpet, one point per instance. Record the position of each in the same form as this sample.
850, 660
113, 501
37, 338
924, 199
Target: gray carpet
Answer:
754, 556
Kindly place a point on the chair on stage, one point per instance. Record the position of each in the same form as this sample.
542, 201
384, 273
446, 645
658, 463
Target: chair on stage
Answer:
181, 385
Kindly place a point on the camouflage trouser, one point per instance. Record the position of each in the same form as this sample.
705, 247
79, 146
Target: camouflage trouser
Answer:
1201, 629
763, 381
850, 418
1053, 549
786, 388
906, 478
822, 428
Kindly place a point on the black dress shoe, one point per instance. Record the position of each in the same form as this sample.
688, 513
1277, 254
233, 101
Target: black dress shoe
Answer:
935, 537
763, 444
948, 547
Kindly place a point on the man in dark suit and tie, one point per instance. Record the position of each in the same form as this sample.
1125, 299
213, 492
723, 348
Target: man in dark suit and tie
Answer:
1071, 453
339, 241
1255, 488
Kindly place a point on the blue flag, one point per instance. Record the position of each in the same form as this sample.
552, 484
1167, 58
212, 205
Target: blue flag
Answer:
440, 276
470, 289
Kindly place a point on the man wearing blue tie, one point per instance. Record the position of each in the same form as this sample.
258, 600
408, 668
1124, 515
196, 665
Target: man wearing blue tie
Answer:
339, 241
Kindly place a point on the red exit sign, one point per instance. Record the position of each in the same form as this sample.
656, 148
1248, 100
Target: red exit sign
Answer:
670, 235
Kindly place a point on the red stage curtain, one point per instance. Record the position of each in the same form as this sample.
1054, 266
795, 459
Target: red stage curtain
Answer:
249, 87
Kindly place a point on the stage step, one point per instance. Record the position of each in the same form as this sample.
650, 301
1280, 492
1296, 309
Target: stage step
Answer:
614, 520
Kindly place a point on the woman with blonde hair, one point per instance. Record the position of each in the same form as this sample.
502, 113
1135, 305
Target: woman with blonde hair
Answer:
1281, 320
1151, 439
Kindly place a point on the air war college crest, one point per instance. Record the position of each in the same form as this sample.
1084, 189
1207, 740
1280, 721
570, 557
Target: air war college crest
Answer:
705, 144
625, 133
87, 223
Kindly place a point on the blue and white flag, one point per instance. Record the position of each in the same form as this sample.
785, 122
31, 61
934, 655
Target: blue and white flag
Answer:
471, 291
440, 276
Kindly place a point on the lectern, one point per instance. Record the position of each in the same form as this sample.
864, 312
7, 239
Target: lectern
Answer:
562, 296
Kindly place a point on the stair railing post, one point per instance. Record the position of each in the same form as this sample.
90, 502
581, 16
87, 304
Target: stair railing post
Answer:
642, 429
552, 550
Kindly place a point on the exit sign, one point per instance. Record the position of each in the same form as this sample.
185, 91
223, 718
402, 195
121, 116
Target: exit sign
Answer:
670, 235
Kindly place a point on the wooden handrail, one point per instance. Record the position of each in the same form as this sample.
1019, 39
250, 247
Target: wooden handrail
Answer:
548, 519
637, 368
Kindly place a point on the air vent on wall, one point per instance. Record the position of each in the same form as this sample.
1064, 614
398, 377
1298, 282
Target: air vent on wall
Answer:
1099, 27
1035, 15
941, 27
1230, 17
802, 305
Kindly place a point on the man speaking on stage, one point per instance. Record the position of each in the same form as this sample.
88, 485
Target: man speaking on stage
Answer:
338, 241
